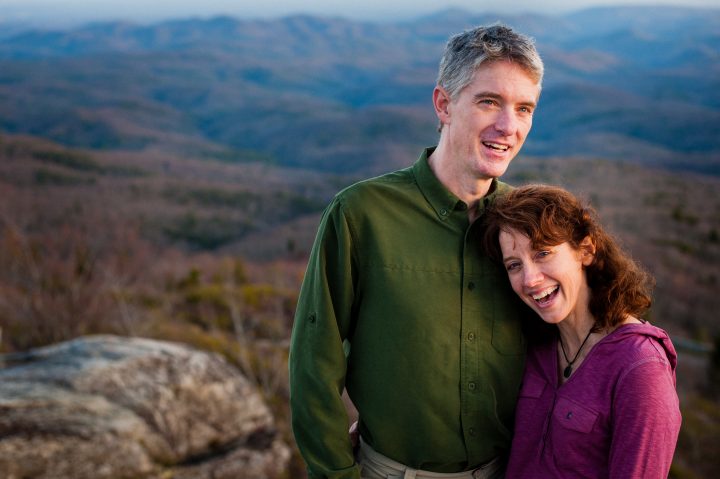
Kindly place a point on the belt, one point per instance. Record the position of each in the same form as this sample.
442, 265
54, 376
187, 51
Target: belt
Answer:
375, 465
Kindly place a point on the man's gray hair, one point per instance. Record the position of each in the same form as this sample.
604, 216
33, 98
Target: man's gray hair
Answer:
467, 51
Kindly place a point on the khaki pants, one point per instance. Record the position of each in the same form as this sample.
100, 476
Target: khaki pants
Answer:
374, 465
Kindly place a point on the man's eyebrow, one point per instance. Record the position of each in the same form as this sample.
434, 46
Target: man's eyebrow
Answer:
487, 94
496, 96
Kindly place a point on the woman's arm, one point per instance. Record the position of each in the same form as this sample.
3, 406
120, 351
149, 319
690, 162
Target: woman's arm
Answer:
646, 422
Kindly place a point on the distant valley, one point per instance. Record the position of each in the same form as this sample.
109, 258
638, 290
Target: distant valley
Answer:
334, 95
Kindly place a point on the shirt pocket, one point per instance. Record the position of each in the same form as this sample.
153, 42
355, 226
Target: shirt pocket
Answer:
573, 416
533, 386
529, 415
507, 334
508, 338
576, 443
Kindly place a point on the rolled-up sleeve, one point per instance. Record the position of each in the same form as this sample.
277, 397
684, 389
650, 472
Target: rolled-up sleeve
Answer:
317, 360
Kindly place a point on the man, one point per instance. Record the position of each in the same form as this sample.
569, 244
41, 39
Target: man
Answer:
398, 304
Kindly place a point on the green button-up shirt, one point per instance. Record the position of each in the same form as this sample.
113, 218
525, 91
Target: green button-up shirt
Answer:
400, 306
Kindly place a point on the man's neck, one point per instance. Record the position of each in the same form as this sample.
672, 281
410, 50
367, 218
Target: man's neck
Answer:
459, 181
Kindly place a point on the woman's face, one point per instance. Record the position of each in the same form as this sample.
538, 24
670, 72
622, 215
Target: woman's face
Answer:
550, 280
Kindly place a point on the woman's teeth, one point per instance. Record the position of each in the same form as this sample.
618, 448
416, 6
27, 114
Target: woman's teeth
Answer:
543, 295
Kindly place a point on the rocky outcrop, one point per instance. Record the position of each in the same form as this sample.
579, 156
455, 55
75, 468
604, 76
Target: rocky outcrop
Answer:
110, 407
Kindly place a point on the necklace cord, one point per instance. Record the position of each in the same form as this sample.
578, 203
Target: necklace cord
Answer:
568, 370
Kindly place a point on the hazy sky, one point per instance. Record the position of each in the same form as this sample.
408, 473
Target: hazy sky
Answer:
77, 11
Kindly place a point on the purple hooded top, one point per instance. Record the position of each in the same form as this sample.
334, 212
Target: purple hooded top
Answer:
617, 416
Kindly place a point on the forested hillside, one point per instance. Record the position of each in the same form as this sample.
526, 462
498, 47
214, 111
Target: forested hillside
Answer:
212, 254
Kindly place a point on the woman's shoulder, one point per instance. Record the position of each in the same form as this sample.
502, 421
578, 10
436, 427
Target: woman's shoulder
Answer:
635, 343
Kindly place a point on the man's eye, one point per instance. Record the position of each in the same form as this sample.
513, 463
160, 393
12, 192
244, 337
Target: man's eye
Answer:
512, 266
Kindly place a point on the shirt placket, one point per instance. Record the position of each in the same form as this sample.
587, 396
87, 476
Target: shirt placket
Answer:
471, 386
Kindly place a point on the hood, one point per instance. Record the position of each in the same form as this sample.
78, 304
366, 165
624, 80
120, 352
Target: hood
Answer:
659, 336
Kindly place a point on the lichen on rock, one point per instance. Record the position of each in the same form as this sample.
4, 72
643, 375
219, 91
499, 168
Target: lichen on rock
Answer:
111, 407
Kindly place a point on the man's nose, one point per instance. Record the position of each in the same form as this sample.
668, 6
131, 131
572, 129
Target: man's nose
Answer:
506, 122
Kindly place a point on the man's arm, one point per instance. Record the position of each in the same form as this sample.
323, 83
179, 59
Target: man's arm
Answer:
317, 360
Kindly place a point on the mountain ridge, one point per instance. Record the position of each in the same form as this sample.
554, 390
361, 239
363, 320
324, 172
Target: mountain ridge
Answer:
329, 93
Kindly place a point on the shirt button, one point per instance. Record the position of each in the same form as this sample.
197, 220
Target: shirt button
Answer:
471, 336
471, 386
443, 212
471, 431
471, 285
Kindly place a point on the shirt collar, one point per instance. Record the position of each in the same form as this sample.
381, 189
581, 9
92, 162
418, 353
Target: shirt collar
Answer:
440, 198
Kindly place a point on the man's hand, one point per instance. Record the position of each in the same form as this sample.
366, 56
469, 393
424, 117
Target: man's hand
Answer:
354, 435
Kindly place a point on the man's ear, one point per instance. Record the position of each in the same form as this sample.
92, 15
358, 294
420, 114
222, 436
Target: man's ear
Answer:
587, 251
441, 102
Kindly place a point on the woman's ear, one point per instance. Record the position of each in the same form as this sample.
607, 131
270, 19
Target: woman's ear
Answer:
587, 251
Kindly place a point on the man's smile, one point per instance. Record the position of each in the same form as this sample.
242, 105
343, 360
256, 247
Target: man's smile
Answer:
496, 146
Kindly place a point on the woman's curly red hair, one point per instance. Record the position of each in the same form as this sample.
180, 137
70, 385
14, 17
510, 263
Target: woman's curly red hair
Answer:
550, 216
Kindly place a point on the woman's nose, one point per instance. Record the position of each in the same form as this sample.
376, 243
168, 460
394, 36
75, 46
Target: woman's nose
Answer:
531, 276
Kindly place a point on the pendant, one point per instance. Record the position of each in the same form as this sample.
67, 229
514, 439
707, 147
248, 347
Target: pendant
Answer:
567, 371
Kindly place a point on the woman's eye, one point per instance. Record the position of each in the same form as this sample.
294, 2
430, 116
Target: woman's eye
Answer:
542, 254
512, 266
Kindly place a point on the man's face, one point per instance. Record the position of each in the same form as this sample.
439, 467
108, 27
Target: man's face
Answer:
486, 124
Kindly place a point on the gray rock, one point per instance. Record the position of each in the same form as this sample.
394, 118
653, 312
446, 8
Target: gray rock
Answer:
111, 407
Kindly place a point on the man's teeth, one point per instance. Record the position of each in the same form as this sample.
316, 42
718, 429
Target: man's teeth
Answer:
496, 146
544, 293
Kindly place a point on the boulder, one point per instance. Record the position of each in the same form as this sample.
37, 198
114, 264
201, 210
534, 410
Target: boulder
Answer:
111, 407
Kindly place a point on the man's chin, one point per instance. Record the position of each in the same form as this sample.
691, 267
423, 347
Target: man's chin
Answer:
492, 170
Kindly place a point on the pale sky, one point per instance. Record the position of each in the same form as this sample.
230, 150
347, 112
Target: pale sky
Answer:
49, 12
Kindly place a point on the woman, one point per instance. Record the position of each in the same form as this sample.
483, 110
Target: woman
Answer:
598, 396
